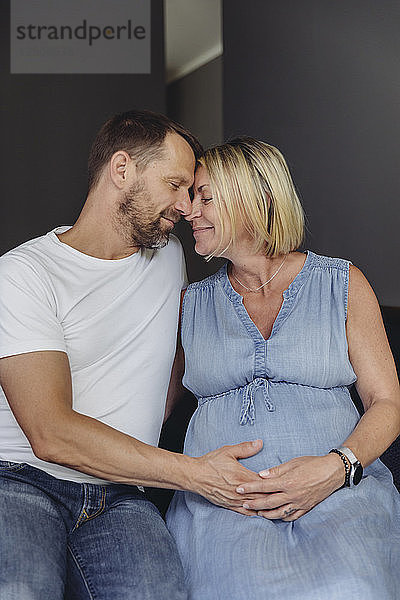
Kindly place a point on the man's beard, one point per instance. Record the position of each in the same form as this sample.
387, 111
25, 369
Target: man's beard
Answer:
136, 221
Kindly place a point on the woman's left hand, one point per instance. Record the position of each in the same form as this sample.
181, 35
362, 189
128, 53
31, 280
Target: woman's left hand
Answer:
291, 489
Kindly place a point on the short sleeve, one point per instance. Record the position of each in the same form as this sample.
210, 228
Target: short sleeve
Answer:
178, 259
184, 277
28, 320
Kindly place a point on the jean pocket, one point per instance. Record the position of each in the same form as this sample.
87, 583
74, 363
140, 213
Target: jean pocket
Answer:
7, 465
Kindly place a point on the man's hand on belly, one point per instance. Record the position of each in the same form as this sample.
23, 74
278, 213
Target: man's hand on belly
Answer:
218, 473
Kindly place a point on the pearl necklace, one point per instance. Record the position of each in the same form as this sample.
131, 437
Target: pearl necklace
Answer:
261, 286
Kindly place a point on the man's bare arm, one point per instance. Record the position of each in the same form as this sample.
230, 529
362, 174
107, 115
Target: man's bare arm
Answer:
39, 391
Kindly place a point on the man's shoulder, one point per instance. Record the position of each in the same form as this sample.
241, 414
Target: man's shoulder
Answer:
169, 262
174, 245
39, 244
30, 266
25, 256
171, 253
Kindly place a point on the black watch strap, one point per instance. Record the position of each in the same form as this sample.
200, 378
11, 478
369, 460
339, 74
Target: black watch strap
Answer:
346, 464
356, 470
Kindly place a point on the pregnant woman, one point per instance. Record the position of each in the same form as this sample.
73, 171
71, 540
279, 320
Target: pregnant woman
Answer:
272, 341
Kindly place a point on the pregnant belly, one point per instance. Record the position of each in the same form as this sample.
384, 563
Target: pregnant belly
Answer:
296, 421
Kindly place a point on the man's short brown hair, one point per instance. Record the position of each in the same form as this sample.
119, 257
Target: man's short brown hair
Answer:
141, 133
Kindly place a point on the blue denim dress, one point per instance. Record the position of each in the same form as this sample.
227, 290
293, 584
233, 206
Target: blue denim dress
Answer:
291, 391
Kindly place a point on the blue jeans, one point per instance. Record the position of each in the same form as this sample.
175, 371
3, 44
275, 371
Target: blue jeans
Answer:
65, 540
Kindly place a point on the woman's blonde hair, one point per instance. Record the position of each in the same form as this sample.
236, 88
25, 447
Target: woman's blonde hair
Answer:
251, 182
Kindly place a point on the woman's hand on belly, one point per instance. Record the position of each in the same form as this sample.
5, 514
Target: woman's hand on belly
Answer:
291, 489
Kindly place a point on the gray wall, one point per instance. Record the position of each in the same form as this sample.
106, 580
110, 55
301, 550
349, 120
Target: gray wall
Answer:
196, 101
321, 80
47, 124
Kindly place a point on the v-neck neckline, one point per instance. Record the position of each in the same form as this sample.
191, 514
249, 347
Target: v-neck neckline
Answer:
288, 294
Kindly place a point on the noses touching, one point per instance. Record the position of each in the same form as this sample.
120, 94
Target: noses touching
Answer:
180, 208
194, 212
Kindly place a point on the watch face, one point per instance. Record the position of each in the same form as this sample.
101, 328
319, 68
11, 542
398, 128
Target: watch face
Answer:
357, 474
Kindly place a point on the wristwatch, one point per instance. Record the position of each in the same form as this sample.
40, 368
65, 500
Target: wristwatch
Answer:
356, 470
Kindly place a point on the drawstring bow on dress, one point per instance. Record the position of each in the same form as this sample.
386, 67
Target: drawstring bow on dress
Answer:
248, 411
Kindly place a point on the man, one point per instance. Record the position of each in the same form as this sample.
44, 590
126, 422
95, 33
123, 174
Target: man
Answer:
88, 321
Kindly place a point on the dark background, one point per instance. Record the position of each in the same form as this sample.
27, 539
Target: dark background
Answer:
47, 125
319, 79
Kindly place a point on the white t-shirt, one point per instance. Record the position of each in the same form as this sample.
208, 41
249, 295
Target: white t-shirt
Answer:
115, 319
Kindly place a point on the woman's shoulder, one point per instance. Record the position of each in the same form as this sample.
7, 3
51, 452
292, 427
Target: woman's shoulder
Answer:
319, 261
207, 283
